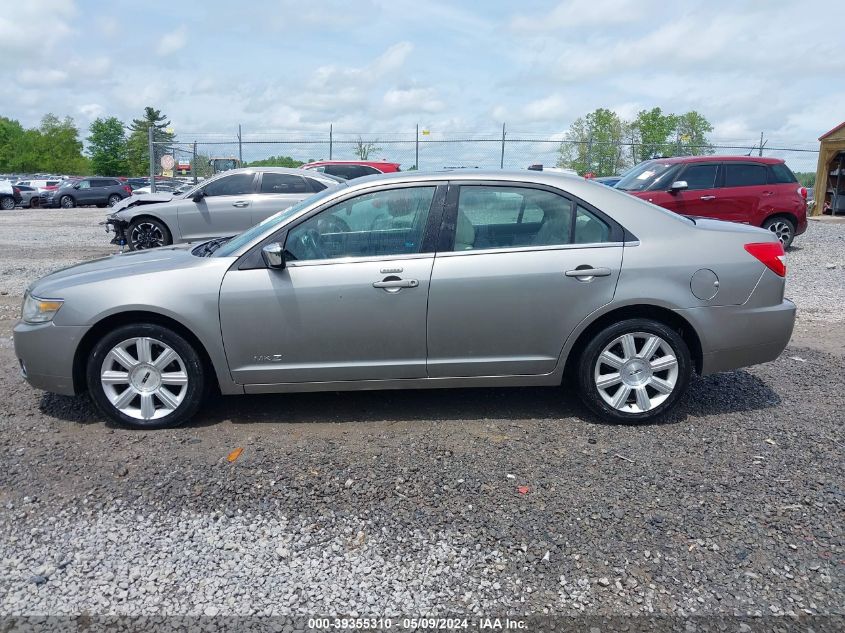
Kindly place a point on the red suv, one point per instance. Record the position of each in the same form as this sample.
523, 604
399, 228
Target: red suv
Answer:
350, 169
759, 191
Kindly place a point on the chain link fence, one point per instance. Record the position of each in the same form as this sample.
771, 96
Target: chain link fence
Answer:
432, 151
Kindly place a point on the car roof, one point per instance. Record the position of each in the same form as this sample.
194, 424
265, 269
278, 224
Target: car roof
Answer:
765, 160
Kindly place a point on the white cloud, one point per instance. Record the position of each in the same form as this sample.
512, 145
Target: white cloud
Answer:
577, 13
412, 100
172, 42
42, 77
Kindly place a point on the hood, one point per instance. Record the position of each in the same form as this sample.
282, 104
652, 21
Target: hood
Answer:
116, 266
142, 198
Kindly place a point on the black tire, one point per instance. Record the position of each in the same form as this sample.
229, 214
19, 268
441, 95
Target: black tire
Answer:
67, 202
7, 203
587, 369
113, 199
34, 202
145, 232
196, 389
783, 228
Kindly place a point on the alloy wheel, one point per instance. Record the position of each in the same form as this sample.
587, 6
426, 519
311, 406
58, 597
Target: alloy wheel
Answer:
782, 230
144, 378
146, 235
636, 372
67, 202
7, 204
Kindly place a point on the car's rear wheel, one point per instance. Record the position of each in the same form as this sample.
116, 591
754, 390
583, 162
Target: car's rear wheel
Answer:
67, 202
144, 233
783, 228
146, 376
6, 203
114, 199
634, 371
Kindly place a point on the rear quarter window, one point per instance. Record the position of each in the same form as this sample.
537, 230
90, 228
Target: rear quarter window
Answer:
744, 175
781, 174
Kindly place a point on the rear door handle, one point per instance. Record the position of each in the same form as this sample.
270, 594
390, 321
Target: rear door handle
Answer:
584, 273
240, 203
707, 198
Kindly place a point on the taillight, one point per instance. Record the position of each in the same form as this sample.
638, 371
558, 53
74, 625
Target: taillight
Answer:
16, 191
771, 254
127, 189
802, 191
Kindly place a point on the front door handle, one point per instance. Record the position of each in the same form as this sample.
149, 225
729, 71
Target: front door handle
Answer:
240, 204
707, 198
588, 272
395, 284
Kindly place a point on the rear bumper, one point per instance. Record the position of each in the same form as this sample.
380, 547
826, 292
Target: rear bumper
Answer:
739, 336
46, 352
802, 224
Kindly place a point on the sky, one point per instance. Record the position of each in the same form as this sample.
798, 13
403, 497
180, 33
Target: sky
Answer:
384, 66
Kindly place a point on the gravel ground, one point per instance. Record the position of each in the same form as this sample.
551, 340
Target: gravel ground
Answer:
486, 502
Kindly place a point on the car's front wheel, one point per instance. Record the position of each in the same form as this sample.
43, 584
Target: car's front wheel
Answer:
146, 376
144, 233
783, 228
67, 202
7, 203
634, 371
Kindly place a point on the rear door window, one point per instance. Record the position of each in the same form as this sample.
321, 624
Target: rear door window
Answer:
781, 174
744, 175
282, 183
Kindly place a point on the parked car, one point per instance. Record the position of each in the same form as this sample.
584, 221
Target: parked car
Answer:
41, 184
350, 169
752, 190
459, 279
608, 181
86, 191
30, 196
221, 206
9, 198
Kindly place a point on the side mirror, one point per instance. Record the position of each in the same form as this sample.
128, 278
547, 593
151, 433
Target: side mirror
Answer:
199, 195
274, 255
76, 186
677, 186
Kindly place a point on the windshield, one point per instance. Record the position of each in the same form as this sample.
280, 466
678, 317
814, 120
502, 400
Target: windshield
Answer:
273, 221
647, 176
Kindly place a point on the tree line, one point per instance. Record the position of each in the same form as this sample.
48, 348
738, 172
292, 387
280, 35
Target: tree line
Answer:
605, 144
600, 142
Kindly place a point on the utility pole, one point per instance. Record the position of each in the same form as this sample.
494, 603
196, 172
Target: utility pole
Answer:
502, 159
417, 150
194, 164
240, 148
331, 139
761, 144
152, 159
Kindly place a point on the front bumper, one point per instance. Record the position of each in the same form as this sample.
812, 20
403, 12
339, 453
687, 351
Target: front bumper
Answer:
739, 336
45, 352
118, 227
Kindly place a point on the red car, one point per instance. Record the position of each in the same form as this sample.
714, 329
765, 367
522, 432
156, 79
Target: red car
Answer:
759, 191
349, 169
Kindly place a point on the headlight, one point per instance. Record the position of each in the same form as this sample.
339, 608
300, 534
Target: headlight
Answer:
37, 310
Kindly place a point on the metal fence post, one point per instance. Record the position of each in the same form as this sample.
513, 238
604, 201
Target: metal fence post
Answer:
240, 148
502, 159
152, 159
331, 140
194, 163
417, 150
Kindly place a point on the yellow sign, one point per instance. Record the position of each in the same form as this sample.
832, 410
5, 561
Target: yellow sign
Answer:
426, 132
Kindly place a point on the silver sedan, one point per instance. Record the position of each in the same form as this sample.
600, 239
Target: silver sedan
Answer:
221, 206
410, 280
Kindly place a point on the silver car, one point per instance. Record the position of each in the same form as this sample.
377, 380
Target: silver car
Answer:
410, 280
221, 206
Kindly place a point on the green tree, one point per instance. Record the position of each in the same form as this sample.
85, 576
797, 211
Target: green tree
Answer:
11, 138
651, 134
137, 145
691, 132
59, 150
107, 147
364, 149
276, 161
594, 143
